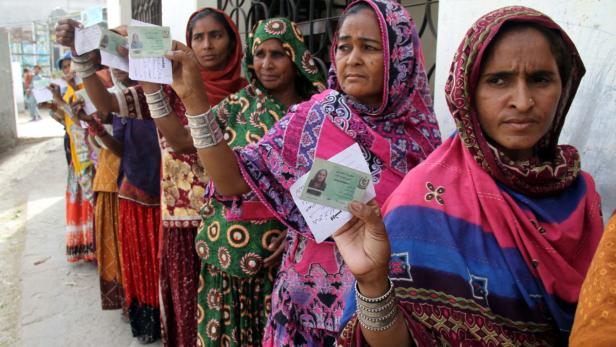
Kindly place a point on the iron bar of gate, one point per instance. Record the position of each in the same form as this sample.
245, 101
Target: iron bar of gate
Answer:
149, 11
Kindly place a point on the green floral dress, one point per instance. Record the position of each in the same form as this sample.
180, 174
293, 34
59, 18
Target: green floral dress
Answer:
234, 298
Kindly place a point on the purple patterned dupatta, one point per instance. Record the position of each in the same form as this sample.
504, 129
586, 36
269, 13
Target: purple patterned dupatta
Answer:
312, 281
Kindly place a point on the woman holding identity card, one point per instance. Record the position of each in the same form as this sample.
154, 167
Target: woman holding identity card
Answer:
379, 100
487, 242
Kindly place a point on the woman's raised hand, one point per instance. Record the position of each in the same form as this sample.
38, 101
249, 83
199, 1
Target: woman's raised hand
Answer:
65, 32
364, 245
187, 82
56, 93
77, 107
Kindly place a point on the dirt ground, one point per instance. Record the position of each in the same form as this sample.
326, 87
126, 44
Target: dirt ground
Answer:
44, 300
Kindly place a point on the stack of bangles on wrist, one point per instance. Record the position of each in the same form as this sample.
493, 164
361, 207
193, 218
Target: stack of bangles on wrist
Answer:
157, 103
204, 129
83, 66
377, 314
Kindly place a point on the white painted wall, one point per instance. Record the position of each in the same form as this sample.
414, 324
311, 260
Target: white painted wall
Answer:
591, 122
118, 12
18, 88
175, 16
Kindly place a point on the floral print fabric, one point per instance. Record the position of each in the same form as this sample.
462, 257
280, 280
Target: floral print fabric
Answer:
236, 232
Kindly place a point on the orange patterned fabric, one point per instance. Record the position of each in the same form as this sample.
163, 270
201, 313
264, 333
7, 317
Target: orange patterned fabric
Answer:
107, 168
108, 250
596, 311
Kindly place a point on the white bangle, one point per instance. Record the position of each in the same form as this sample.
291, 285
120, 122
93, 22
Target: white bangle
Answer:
204, 130
157, 103
83, 66
377, 314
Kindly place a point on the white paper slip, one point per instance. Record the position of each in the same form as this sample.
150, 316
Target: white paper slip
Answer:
323, 221
42, 95
87, 39
41, 83
114, 61
155, 70
92, 16
88, 106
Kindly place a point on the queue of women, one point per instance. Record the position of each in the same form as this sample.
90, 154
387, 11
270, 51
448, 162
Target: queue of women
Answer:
484, 239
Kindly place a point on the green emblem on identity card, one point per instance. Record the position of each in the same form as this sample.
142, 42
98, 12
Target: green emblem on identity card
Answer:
149, 41
334, 185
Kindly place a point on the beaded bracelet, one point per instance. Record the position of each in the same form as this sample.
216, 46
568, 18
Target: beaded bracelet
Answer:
377, 314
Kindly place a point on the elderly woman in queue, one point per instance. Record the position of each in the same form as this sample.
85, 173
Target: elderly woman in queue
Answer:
240, 252
486, 242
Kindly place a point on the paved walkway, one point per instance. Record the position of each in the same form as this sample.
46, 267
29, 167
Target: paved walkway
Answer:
45, 301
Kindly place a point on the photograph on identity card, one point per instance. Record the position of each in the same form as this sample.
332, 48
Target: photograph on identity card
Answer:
334, 185
149, 41
110, 42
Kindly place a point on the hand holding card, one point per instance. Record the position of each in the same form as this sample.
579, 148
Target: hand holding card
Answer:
323, 220
335, 185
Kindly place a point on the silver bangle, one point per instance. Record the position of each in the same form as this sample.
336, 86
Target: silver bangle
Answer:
83, 66
205, 130
377, 314
157, 103
375, 300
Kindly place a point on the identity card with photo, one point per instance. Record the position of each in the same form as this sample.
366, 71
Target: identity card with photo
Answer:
149, 41
323, 221
92, 16
109, 51
110, 42
334, 185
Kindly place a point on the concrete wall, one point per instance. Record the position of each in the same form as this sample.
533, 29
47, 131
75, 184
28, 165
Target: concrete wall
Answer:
118, 12
175, 16
590, 124
8, 119
18, 88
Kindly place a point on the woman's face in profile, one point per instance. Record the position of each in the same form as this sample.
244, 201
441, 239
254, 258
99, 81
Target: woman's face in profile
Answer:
518, 91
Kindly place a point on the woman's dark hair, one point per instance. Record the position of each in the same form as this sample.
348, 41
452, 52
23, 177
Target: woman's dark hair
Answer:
219, 18
353, 10
314, 182
558, 47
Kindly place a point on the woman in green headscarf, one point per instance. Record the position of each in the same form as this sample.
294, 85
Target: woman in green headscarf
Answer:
240, 241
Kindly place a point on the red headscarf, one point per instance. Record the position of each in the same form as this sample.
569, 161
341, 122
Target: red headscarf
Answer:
222, 83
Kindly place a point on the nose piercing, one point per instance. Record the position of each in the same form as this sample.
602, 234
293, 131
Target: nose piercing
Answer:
531, 101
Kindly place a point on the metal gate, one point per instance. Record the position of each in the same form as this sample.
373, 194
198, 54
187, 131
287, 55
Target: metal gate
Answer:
318, 20
149, 11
